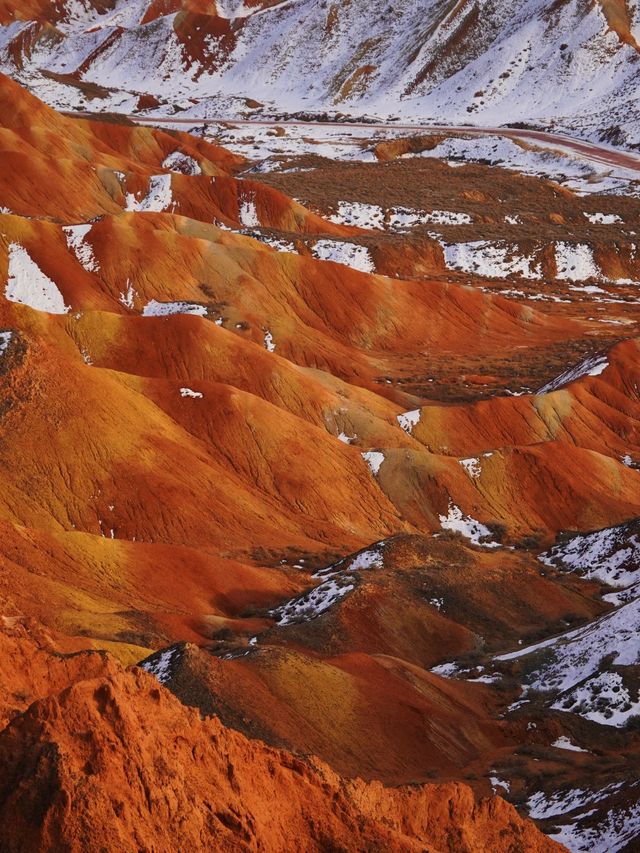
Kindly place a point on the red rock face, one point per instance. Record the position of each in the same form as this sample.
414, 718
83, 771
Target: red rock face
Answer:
111, 754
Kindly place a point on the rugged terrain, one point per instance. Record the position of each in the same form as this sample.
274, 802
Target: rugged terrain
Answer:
568, 64
101, 753
334, 431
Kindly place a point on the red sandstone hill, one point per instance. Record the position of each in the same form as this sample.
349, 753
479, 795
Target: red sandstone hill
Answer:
107, 756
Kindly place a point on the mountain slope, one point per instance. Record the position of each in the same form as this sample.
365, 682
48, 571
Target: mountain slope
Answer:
571, 63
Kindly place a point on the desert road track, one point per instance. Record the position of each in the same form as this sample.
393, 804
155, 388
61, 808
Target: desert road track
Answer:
601, 154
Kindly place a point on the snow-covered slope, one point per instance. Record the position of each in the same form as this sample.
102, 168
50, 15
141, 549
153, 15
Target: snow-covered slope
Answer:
585, 670
611, 555
589, 672
480, 61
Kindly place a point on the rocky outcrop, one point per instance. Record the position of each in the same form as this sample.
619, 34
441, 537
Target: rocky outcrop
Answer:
118, 763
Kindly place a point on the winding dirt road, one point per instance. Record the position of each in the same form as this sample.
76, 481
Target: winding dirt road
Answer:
601, 154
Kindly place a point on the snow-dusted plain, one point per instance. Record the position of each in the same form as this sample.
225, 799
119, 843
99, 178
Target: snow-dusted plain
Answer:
579, 173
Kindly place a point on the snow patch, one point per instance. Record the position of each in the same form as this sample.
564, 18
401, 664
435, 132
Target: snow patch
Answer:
359, 214
594, 365
164, 309
313, 603
574, 262
491, 260
542, 806
268, 342
473, 530
401, 218
447, 217
572, 666
605, 699
183, 163
158, 198
614, 832
162, 663
248, 214
499, 786
348, 254
28, 285
611, 555
5, 340
563, 742
472, 466
408, 420
346, 439
603, 218
76, 235
274, 242
374, 460
127, 297
369, 558
366, 560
